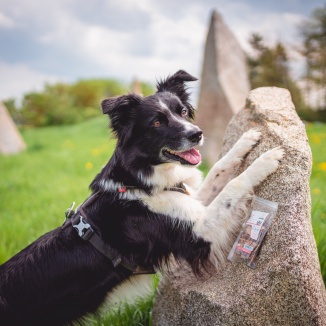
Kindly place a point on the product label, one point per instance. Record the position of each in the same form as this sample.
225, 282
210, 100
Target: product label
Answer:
256, 221
246, 248
250, 248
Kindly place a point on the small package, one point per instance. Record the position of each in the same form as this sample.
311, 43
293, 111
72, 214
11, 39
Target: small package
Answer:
249, 241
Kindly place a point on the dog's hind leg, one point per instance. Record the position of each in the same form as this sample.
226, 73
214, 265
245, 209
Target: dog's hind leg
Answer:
225, 169
225, 214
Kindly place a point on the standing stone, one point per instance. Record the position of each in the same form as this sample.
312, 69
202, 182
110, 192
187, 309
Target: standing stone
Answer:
11, 141
224, 86
136, 87
286, 288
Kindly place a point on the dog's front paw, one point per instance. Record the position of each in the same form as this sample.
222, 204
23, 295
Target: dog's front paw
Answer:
272, 159
265, 165
246, 142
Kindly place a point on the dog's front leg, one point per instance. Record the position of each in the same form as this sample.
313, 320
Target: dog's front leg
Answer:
225, 169
225, 214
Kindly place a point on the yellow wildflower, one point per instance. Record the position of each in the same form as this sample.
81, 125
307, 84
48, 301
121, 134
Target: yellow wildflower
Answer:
316, 191
95, 151
315, 139
89, 166
322, 166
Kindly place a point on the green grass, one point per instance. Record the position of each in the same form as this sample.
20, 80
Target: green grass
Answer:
36, 187
317, 141
137, 314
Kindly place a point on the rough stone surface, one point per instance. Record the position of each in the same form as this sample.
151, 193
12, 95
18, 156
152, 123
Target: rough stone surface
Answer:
224, 85
10, 140
286, 288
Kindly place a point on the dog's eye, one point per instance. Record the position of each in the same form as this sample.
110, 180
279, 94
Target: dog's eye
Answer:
184, 112
156, 123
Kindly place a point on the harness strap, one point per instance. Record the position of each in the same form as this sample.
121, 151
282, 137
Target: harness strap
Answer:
180, 187
78, 220
85, 231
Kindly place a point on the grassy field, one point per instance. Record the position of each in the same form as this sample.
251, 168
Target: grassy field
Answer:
37, 186
317, 140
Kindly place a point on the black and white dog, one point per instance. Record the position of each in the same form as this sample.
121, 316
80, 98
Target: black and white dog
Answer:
147, 204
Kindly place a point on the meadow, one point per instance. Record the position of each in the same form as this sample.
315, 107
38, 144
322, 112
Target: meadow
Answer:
36, 187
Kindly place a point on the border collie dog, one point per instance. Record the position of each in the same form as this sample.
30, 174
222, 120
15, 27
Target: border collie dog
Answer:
148, 204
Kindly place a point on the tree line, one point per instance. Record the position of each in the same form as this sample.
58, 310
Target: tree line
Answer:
63, 103
270, 66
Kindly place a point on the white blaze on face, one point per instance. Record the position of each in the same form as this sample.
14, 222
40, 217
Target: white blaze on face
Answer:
190, 155
163, 105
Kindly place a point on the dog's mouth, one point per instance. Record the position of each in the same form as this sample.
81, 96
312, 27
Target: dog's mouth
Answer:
190, 156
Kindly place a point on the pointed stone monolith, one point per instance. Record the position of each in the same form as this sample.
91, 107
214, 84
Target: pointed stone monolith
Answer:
224, 86
136, 87
11, 141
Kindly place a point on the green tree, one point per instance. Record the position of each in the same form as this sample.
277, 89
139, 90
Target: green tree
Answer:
62, 103
313, 33
13, 110
269, 66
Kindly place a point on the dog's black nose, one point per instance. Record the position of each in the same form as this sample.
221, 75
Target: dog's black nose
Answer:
195, 137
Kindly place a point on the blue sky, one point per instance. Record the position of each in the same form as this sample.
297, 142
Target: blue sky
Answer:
66, 40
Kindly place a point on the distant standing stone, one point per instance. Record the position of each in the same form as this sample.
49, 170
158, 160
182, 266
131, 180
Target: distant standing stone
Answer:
224, 86
11, 141
286, 288
136, 87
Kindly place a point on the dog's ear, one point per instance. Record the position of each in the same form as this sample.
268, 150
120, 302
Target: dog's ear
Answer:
176, 84
119, 110
112, 104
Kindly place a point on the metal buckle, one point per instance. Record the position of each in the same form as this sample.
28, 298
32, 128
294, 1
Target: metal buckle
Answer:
82, 227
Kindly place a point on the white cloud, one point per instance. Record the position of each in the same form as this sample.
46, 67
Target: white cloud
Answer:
145, 5
148, 53
6, 21
19, 79
171, 35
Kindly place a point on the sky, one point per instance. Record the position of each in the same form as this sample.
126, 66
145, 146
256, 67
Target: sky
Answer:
67, 40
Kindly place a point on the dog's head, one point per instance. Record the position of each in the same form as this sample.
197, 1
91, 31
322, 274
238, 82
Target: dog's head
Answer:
157, 128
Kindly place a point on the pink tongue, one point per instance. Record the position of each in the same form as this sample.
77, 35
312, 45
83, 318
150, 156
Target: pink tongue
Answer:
192, 156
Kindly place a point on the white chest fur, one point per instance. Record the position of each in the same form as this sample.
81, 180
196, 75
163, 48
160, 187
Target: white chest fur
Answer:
139, 287
177, 206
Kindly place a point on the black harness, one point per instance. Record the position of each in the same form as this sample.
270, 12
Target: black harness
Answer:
79, 221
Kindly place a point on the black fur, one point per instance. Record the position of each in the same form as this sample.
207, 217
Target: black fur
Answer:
60, 277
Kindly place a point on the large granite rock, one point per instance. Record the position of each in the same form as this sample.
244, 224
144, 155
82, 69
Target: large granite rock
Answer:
11, 141
224, 85
286, 288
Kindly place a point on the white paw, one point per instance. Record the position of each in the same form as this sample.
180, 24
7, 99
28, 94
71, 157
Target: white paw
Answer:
247, 141
272, 158
265, 165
